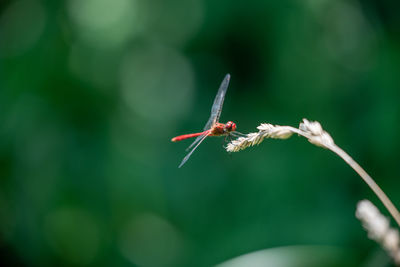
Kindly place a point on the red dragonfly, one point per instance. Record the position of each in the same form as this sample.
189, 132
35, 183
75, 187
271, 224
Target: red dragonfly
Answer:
212, 127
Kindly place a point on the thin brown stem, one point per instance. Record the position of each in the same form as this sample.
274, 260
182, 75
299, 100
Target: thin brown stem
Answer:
370, 182
317, 136
363, 174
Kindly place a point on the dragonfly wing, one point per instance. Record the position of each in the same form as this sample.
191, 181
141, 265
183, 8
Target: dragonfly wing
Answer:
202, 137
218, 103
198, 138
209, 123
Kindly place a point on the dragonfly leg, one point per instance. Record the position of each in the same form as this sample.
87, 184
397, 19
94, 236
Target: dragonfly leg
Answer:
227, 139
238, 134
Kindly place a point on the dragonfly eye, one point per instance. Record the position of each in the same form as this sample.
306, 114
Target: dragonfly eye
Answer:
231, 126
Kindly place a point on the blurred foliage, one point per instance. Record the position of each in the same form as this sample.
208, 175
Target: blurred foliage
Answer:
92, 91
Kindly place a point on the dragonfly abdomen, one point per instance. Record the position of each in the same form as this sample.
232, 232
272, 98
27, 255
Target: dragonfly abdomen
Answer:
186, 136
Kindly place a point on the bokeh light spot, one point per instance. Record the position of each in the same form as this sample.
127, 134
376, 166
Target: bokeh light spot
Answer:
104, 23
95, 66
291, 256
157, 83
149, 240
21, 26
174, 21
73, 234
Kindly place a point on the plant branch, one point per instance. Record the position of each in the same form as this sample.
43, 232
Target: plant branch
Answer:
317, 136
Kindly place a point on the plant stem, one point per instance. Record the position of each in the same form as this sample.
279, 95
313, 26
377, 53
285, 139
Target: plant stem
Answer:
363, 174
370, 182
317, 136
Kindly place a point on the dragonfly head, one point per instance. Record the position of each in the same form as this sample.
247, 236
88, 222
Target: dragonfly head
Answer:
230, 126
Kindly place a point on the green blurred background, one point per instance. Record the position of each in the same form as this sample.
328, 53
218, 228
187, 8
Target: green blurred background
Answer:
92, 91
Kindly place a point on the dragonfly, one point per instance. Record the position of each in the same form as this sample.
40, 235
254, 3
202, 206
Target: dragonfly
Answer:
213, 127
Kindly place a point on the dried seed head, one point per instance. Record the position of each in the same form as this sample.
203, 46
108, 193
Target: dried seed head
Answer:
373, 221
274, 131
316, 135
378, 228
265, 130
311, 130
